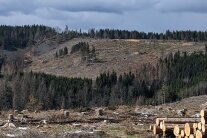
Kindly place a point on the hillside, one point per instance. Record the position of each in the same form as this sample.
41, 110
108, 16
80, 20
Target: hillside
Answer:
119, 55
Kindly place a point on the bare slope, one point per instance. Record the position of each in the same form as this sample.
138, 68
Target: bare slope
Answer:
119, 55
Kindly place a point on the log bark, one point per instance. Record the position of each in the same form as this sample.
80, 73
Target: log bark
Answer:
172, 126
181, 120
177, 120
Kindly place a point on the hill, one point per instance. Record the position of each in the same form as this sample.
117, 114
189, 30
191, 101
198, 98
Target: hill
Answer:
112, 54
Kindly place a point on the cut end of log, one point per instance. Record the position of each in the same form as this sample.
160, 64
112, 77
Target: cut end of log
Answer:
182, 133
202, 113
203, 129
203, 121
195, 125
200, 126
161, 125
191, 136
199, 134
187, 129
176, 130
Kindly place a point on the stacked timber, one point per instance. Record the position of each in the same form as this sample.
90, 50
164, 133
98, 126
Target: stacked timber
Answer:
181, 127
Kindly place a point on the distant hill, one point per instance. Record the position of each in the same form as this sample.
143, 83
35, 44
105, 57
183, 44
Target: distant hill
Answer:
112, 54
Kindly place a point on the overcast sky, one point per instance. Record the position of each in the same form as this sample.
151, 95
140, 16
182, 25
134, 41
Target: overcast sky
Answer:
141, 15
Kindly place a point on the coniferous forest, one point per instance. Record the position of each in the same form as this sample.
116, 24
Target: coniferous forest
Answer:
177, 76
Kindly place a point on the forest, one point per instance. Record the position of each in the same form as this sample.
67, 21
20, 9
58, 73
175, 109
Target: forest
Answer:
15, 37
176, 76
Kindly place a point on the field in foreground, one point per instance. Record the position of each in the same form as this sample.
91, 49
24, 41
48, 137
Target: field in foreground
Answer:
120, 122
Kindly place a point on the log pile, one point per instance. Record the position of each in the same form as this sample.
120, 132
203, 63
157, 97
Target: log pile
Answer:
181, 127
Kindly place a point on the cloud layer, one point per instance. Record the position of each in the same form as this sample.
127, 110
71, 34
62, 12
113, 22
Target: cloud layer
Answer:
143, 15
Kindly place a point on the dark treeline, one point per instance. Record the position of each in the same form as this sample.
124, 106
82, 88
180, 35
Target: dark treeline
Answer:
175, 77
168, 35
14, 37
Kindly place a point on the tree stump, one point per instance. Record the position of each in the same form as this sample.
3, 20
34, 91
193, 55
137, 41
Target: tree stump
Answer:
66, 114
10, 117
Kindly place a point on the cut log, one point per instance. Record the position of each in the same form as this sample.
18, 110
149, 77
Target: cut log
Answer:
158, 120
199, 134
179, 136
161, 124
199, 126
203, 128
186, 137
167, 130
188, 129
156, 130
203, 113
191, 136
203, 120
195, 125
182, 133
176, 131
181, 120
172, 126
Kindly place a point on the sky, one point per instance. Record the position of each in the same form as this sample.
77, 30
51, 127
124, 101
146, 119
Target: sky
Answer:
141, 15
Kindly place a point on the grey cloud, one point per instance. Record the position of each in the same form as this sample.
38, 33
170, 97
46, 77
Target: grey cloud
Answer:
108, 6
180, 6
